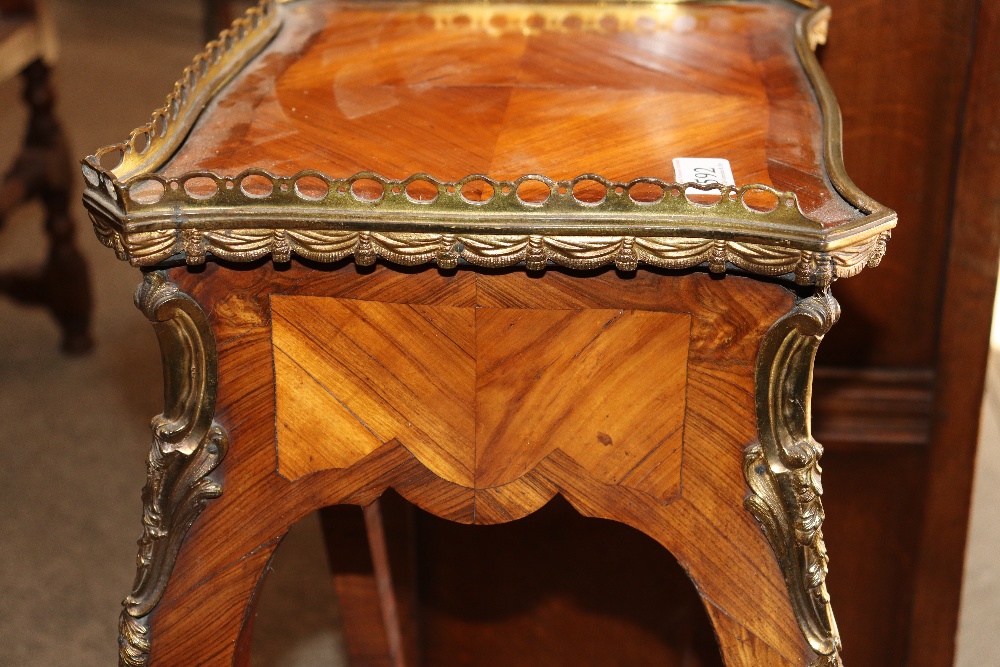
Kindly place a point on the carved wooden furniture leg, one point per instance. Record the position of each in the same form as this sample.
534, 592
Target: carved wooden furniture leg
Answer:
660, 393
43, 170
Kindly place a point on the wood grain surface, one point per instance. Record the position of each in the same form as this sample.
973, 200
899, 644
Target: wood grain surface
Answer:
502, 386
606, 387
480, 397
453, 90
963, 351
715, 324
351, 375
901, 80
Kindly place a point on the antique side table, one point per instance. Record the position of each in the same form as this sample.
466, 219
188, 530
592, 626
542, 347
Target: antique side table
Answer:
447, 249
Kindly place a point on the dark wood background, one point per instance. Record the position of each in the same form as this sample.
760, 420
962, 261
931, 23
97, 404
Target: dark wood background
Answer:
901, 376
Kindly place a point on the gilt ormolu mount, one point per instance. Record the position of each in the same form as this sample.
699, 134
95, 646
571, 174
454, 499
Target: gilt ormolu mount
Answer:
783, 468
187, 447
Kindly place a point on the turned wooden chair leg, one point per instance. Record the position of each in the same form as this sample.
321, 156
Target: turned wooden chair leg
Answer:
65, 279
44, 171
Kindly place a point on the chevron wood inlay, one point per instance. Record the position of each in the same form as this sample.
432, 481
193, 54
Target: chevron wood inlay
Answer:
352, 375
481, 395
604, 386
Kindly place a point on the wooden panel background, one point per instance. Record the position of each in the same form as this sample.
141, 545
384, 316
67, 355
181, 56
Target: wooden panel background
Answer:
900, 383
900, 76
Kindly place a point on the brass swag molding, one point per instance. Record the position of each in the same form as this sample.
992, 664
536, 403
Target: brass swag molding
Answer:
783, 471
149, 219
187, 446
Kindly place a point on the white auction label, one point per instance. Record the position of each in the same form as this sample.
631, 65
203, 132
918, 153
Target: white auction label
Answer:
703, 170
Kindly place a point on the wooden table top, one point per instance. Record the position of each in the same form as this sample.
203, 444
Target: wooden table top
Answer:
428, 117
458, 90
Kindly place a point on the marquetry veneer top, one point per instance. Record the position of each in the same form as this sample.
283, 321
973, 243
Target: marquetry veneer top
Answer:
427, 118
401, 90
